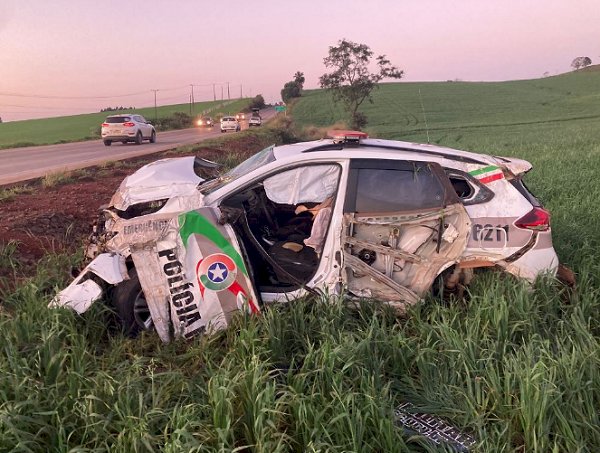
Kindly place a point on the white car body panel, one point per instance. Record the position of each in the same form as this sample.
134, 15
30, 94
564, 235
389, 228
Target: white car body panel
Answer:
165, 178
82, 293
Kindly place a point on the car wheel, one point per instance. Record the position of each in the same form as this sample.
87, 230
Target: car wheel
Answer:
124, 142
107, 143
138, 138
222, 131
132, 308
153, 137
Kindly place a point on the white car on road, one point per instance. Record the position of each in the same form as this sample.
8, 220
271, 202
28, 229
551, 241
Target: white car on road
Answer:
229, 123
127, 127
255, 120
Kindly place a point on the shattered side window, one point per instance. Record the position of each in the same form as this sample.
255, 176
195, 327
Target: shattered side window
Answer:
258, 160
406, 188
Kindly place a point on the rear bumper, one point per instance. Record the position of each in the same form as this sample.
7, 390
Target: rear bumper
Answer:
534, 263
535, 260
130, 136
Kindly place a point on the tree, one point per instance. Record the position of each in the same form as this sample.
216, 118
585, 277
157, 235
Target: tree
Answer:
293, 88
257, 102
351, 82
581, 62
299, 79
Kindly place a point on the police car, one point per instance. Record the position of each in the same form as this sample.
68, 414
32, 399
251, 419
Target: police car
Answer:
180, 253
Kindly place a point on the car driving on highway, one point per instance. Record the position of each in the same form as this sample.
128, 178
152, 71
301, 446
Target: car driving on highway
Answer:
205, 121
255, 120
127, 127
350, 215
229, 123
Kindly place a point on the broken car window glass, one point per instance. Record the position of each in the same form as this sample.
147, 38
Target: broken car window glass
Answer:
260, 159
383, 190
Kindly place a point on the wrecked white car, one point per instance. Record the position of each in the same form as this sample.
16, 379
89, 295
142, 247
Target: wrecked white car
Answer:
373, 218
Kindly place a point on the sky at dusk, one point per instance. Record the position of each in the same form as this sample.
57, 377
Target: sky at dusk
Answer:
62, 57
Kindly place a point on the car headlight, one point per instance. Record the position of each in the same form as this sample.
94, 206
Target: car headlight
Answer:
140, 209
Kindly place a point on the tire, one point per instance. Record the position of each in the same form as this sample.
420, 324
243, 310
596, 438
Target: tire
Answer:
153, 137
107, 143
138, 138
222, 131
132, 308
124, 142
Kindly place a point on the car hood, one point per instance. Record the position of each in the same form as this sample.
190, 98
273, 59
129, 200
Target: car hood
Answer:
165, 178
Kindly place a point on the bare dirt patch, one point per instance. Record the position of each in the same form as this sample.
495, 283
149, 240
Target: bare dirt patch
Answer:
59, 219
55, 219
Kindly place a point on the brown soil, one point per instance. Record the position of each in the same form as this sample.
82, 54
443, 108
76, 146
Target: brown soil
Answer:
55, 219
59, 219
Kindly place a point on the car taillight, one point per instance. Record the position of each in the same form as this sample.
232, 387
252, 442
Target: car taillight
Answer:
537, 219
129, 124
105, 124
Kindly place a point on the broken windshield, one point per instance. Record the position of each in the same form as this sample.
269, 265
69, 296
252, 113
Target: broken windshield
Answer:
258, 160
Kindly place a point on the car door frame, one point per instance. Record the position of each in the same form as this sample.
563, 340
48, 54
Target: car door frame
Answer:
425, 269
327, 272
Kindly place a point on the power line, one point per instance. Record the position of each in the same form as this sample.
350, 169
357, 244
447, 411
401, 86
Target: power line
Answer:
41, 107
139, 93
42, 96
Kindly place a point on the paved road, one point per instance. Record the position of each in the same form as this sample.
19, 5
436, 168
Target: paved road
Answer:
21, 164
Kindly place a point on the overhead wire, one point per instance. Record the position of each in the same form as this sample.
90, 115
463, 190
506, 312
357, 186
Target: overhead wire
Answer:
138, 93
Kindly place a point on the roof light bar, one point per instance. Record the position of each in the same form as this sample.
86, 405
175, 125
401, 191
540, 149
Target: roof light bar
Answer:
340, 136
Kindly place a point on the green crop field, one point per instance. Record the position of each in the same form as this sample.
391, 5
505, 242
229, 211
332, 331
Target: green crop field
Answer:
86, 127
552, 122
518, 367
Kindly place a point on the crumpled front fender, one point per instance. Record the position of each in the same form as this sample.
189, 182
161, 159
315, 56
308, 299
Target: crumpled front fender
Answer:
84, 290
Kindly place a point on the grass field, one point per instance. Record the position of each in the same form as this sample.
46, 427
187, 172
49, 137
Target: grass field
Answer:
552, 122
85, 127
518, 367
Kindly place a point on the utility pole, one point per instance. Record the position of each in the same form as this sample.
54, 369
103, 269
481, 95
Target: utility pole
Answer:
228, 95
192, 85
155, 115
221, 93
214, 93
241, 93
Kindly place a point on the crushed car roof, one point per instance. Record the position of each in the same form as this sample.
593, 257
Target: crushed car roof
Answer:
405, 150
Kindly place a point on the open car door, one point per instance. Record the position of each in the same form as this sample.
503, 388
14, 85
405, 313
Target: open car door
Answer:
403, 225
194, 275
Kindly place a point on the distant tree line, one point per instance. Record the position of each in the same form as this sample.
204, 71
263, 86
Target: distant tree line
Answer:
114, 109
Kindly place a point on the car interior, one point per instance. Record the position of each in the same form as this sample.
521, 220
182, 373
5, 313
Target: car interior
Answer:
274, 218
272, 236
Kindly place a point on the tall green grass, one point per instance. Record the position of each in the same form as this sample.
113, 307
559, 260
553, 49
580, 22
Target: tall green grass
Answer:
516, 366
